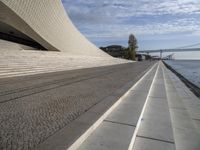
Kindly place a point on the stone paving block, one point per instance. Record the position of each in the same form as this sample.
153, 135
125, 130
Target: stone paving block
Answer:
109, 136
129, 110
126, 113
182, 93
149, 144
194, 112
153, 128
158, 91
197, 124
158, 110
135, 97
181, 119
176, 102
143, 86
186, 139
171, 88
159, 82
191, 102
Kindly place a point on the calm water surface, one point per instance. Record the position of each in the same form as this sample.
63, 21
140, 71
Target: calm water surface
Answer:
190, 69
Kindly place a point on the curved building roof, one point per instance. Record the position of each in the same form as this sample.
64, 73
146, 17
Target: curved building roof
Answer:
46, 22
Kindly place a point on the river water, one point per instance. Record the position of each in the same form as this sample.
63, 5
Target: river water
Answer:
190, 69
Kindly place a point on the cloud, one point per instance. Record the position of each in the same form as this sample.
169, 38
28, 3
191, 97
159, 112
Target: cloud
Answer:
116, 19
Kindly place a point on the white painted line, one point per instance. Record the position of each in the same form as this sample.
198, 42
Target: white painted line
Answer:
141, 115
84, 136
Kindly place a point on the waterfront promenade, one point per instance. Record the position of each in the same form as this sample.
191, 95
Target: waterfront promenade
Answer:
133, 106
61, 92
35, 108
158, 112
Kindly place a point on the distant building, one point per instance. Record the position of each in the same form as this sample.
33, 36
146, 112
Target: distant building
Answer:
115, 50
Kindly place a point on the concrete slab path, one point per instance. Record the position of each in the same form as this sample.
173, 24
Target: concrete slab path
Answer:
158, 113
51, 110
117, 129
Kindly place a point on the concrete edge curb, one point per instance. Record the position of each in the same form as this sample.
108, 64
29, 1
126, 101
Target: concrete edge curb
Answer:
89, 131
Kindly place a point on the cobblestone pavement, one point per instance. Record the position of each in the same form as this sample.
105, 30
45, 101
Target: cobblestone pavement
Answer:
32, 108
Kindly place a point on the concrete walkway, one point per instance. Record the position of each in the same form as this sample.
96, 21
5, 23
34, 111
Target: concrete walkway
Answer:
51, 110
117, 129
88, 110
158, 113
184, 108
155, 131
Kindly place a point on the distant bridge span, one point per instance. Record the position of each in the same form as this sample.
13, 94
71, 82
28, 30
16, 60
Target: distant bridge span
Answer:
168, 50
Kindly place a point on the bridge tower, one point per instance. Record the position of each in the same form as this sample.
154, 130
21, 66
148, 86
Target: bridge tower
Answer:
161, 51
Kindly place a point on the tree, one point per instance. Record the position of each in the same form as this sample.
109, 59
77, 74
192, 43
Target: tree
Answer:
132, 47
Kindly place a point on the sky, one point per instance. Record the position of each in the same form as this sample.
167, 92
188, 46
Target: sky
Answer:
157, 24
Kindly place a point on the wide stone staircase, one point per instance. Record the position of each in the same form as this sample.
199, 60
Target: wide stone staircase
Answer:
15, 62
8, 46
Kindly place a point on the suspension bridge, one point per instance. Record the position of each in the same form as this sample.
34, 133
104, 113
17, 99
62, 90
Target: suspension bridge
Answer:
187, 48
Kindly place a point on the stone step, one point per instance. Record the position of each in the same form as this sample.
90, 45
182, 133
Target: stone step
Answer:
19, 63
7, 45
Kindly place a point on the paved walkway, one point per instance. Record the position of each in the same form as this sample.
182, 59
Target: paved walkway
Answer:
117, 129
155, 115
88, 110
49, 111
184, 108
